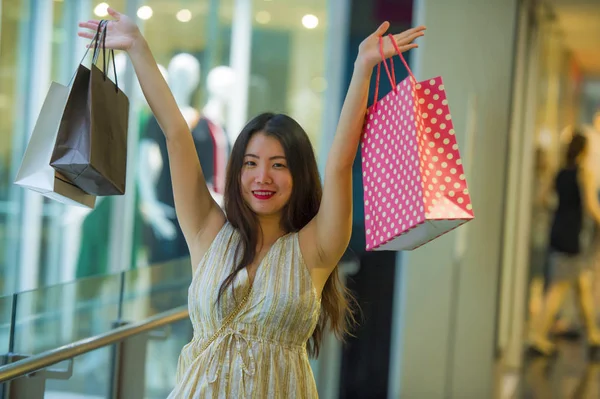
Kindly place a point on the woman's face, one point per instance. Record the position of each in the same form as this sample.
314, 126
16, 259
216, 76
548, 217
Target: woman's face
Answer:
265, 178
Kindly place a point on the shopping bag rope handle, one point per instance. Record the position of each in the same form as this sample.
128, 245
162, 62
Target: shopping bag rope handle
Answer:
391, 75
111, 55
101, 42
98, 41
100, 36
94, 40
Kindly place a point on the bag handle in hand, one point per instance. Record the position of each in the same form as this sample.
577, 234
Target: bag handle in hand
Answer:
111, 55
97, 40
93, 41
101, 42
391, 75
401, 57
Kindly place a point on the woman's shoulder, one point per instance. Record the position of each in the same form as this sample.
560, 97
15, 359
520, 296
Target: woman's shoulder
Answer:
226, 232
223, 239
290, 244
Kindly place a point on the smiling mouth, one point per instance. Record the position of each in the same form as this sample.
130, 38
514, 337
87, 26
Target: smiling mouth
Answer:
263, 195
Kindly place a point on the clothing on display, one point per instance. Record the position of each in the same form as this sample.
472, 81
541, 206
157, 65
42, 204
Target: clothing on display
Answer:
212, 149
95, 240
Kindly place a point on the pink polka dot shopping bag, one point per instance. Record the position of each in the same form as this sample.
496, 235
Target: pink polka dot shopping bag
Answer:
414, 183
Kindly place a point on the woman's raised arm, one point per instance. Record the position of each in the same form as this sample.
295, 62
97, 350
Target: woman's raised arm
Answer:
199, 216
329, 232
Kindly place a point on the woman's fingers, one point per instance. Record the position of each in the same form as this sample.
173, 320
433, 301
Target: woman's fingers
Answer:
408, 39
420, 30
87, 35
114, 13
89, 25
414, 30
402, 41
391, 51
382, 29
408, 47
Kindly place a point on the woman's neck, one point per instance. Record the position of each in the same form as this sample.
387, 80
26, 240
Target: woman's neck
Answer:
270, 226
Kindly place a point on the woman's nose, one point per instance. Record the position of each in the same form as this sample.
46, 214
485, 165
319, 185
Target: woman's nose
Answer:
263, 176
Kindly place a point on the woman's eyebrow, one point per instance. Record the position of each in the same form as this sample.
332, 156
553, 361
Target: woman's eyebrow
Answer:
271, 158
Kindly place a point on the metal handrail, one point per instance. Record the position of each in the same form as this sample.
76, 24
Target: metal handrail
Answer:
77, 348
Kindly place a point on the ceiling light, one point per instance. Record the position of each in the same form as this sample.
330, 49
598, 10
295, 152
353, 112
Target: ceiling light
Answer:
310, 21
184, 15
101, 10
263, 17
144, 12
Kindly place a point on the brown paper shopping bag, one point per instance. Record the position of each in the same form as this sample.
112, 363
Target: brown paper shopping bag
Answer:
91, 145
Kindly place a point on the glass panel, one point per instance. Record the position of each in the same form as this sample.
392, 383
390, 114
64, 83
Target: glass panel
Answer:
90, 379
5, 316
161, 359
58, 315
39, 45
156, 289
288, 62
14, 15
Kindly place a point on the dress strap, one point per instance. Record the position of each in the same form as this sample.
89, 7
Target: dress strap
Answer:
227, 321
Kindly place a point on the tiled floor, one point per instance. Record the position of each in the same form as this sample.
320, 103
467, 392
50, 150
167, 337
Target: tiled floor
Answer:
569, 375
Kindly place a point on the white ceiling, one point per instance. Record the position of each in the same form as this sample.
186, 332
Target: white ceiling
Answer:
579, 21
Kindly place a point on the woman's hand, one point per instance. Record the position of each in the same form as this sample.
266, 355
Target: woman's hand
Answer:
368, 51
121, 34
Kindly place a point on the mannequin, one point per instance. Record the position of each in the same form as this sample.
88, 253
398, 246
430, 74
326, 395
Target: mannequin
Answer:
220, 83
165, 241
158, 215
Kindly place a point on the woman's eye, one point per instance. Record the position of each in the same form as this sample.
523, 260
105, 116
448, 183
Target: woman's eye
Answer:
249, 163
278, 165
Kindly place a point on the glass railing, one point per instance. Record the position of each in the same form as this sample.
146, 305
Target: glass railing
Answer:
35, 322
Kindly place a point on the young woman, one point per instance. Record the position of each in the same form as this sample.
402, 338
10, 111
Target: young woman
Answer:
577, 196
265, 279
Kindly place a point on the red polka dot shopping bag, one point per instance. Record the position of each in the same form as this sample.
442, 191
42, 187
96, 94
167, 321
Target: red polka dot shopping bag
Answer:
414, 183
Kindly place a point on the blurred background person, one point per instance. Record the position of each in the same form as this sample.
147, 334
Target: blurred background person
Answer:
577, 195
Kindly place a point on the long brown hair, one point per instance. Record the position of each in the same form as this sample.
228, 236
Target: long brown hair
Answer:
302, 207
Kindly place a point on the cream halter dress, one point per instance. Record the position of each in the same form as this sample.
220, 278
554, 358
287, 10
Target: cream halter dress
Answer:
261, 351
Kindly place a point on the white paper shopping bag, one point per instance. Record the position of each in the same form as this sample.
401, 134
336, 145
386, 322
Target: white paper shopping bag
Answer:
35, 172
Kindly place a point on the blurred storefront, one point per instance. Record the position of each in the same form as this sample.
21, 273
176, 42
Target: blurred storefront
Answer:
226, 61
242, 58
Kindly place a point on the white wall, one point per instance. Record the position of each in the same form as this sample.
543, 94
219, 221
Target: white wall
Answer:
447, 309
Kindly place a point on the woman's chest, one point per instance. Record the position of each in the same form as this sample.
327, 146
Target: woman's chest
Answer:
277, 295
